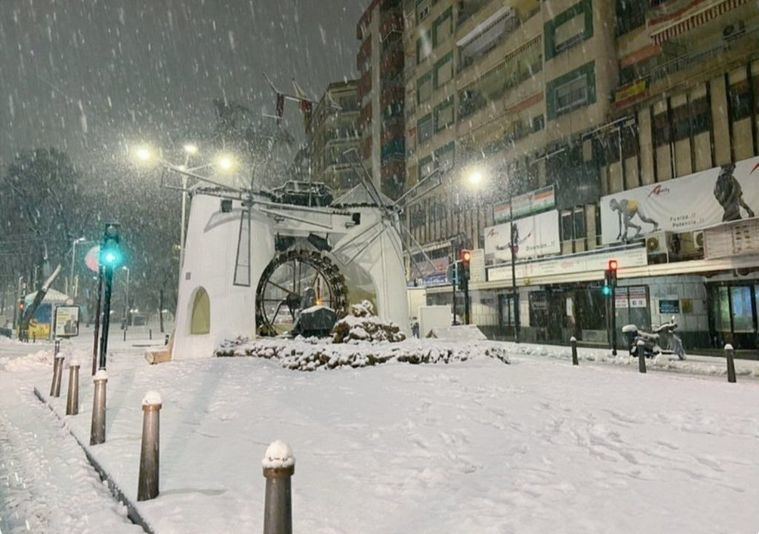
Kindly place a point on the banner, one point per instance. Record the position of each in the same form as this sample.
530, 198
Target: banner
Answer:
693, 202
532, 202
66, 321
537, 235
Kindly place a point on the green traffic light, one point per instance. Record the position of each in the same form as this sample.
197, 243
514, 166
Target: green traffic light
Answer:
606, 290
111, 257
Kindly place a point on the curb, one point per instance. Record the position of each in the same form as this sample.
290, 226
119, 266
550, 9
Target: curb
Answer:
132, 512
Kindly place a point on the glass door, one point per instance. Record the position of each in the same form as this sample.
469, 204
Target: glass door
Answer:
743, 314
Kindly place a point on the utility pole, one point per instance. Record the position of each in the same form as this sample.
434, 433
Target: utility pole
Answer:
514, 248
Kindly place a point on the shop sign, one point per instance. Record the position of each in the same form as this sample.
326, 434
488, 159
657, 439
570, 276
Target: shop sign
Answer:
620, 298
669, 307
720, 194
537, 235
638, 297
522, 205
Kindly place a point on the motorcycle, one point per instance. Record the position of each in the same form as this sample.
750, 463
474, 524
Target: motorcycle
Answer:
649, 342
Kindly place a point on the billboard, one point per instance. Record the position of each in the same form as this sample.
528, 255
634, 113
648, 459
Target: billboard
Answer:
537, 235
521, 205
693, 202
66, 321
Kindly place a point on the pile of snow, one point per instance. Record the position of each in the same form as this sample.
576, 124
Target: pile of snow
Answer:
41, 358
310, 354
363, 325
459, 332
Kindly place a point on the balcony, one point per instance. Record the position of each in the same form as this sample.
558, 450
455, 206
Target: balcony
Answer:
467, 8
480, 41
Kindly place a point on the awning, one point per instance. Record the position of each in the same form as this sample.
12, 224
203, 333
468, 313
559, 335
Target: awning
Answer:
695, 19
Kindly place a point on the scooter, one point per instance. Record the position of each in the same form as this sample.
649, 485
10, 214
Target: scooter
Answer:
651, 340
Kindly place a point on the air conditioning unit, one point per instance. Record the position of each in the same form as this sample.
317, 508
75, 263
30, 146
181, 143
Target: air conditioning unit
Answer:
697, 239
658, 243
687, 245
733, 31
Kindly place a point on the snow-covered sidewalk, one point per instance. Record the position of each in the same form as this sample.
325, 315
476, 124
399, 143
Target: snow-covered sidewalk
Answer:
478, 446
46, 483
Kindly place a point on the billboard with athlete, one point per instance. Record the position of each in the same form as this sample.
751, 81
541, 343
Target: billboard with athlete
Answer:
693, 202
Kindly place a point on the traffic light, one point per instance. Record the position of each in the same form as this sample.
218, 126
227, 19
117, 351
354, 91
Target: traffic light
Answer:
610, 278
21, 307
465, 256
110, 252
612, 267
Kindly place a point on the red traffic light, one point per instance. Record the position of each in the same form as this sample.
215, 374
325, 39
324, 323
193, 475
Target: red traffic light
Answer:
613, 265
465, 256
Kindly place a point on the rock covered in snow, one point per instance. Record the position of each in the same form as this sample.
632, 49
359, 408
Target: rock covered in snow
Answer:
363, 325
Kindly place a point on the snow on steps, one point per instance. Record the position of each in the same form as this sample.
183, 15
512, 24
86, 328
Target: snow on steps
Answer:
310, 354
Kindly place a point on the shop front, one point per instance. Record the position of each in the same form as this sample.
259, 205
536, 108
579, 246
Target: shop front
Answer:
733, 314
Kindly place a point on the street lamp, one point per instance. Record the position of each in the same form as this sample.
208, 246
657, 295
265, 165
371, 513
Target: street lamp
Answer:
226, 163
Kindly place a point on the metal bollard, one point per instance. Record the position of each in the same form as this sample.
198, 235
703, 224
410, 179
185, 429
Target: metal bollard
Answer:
166, 340
72, 399
55, 387
641, 356
150, 334
279, 466
97, 429
573, 343
56, 347
147, 487
730, 357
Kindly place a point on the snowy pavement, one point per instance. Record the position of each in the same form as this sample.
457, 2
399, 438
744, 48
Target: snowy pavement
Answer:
479, 446
46, 483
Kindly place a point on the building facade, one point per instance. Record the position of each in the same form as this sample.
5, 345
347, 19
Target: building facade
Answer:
335, 133
380, 63
605, 130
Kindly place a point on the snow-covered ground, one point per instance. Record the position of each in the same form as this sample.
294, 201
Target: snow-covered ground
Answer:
477, 446
46, 483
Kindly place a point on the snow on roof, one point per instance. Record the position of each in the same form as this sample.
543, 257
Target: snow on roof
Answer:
359, 195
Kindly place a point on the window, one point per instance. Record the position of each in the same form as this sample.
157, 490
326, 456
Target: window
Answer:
423, 47
422, 9
426, 167
200, 320
680, 123
443, 28
661, 129
424, 88
700, 116
444, 115
488, 38
424, 129
538, 123
444, 70
739, 97
571, 91
580, 230
566, 226
631, 14
444, 156
569, 28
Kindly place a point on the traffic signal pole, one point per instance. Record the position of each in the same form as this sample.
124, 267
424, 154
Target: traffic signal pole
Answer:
108, 276
97, 321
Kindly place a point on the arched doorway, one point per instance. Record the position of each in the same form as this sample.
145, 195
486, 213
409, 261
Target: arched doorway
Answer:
200, 319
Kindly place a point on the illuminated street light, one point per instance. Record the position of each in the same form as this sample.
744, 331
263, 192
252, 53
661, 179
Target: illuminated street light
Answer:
226, 163
191, 149
475, 178
144, 154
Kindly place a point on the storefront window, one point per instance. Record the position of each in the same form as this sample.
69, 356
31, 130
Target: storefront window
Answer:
722, 315
743, 314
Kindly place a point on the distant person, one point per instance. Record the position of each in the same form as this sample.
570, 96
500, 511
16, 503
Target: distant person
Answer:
626, 211
414, 327
729, 194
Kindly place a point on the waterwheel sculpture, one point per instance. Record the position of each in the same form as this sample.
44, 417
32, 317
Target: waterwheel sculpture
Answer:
293, 281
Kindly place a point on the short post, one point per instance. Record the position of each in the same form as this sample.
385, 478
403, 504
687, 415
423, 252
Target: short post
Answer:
55, 387
97, 429
573, 343
279, 466
150, 334
730, 357
149, 456
166, 340
125, 334
640, 349
56, 347
72, 400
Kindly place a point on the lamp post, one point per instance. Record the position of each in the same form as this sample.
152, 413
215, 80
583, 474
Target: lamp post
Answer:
126, 300
513, 248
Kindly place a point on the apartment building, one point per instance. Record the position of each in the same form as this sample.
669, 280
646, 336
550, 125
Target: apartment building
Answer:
603, 129
381, 94
335, 133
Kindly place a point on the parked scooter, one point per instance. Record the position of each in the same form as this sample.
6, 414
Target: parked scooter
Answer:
663, 334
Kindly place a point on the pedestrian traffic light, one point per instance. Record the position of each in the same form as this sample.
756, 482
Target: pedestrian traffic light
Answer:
21, 307
465, 256
612, 268
606, 290
110, 251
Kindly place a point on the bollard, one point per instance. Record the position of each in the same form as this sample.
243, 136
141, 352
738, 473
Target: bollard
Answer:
55, 387
730, 356
641, 356
147, 487
125, 334
72, 399
56, 347
150, 334
166, 340
97, 429
279, 466
573, 343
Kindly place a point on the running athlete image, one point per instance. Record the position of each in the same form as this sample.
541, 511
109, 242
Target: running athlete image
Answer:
626, 211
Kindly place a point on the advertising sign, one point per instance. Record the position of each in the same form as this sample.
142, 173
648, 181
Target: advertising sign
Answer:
669, 306
537, 235
693, 202
40, 324
532, 202
66, 321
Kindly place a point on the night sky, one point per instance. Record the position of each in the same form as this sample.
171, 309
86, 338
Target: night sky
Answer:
88, 76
